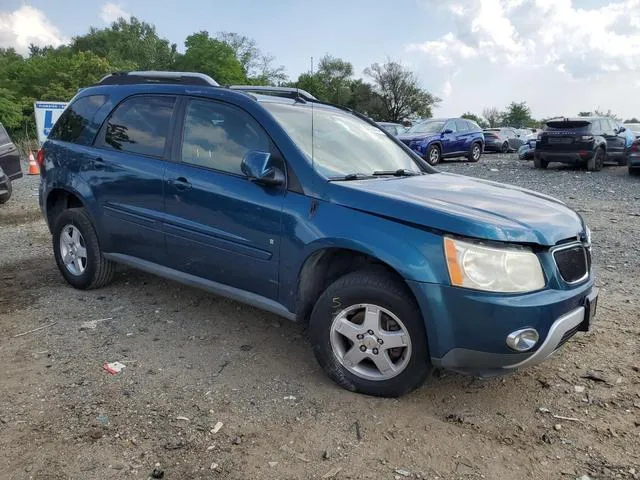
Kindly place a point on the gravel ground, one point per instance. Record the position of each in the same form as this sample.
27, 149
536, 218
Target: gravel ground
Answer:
193, 360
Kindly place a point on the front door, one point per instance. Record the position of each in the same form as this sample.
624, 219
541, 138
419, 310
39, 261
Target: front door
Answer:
219, 225
125, 171
449, 140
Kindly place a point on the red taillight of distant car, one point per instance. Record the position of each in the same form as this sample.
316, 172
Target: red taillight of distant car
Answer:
635, 147
40, 157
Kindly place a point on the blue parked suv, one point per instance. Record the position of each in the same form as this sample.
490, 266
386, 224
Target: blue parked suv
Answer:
438, 138
314, 213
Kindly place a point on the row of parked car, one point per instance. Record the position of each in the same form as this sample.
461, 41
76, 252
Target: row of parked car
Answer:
587, 141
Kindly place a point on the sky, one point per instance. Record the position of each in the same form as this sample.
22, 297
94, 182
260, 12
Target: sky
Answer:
560, 56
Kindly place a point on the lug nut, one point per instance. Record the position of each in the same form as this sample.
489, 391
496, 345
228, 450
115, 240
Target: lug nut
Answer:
375, 351
359, 336
363, 348
370, 332
380, 342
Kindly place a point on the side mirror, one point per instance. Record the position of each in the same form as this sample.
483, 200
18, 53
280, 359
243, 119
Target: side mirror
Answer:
447, 131
257, 167
622, 129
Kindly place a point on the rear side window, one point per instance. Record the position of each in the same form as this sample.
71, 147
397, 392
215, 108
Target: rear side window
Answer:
473, 126
4, 137
140, 125
461, 126
76, 124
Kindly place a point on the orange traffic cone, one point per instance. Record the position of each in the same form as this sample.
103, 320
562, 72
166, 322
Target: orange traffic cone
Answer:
34, 169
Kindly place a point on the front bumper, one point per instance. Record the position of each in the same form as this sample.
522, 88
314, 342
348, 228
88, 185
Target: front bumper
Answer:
565, 157
467, 330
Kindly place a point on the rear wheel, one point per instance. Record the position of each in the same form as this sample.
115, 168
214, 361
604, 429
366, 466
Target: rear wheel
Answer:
7, 195
596, 162
505, 147
433, 155
540, 163
476, 151
77, 251
369, 336
633, 170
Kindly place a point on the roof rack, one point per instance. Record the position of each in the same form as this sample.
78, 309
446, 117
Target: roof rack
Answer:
288, 92
152, 76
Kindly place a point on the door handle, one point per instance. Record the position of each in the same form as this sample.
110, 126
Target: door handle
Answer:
180, 184
98, 163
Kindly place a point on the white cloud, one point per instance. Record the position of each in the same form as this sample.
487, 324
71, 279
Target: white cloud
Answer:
110, 12
447, 88
582, 42
28, 25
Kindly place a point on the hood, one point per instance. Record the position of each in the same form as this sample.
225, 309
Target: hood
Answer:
464, 206
409, 137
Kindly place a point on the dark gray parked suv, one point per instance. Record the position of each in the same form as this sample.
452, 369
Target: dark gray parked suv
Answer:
9, 165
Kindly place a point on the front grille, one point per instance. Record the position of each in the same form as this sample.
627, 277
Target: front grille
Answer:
573, 262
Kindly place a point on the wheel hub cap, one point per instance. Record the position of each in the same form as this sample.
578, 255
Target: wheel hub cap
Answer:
370, 342
73, 250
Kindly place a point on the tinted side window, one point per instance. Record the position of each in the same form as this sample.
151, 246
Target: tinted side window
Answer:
509, 133
612, 125
218, 136
140, 125
76, 124
4, 137
450, 125
461, 126
595, 127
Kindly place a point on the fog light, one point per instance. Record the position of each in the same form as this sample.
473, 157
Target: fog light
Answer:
523, 340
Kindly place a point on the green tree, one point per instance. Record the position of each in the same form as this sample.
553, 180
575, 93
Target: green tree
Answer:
212, 57
258, 67
334, 74
518, 115
400, 92
310, 83
608, 113
128, 44
479, 120
366, 100
585, 114
632, 120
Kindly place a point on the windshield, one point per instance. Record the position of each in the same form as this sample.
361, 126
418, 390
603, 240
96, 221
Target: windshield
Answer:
578, 125
427, 127
342, 144
634, 127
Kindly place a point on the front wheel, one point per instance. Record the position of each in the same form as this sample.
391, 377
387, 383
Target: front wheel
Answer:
505, 148
369, 336
476, 151
433, 155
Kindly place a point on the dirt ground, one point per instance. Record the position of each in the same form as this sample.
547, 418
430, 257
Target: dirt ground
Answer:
193, 360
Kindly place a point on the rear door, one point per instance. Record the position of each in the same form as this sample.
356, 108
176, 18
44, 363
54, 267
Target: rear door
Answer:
9, 156
464, 136
219, 225
126, 175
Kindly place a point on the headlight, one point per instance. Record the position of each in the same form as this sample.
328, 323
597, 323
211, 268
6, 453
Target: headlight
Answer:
505, 270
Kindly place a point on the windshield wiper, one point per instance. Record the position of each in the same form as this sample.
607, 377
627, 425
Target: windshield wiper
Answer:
350, 176
401, 172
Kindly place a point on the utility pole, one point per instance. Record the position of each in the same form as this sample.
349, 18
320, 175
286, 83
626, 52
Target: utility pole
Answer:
311, 65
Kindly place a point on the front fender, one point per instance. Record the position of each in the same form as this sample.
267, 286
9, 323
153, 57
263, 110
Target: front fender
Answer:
416, 254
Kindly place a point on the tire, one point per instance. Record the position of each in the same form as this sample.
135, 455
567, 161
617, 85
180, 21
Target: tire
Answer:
475, 152
379, 290
597, 161
634, 170
623, 160
505, 148
4, 198
94, 271
540, 163
434, 155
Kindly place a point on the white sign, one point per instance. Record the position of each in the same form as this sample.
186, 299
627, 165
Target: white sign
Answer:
46, 115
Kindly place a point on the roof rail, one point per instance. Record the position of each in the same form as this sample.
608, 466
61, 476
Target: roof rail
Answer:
153, 76
289, 92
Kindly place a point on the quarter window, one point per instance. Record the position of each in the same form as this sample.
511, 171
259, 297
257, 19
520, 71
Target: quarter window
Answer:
461, 126
76, 124
218, 136
140, 125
